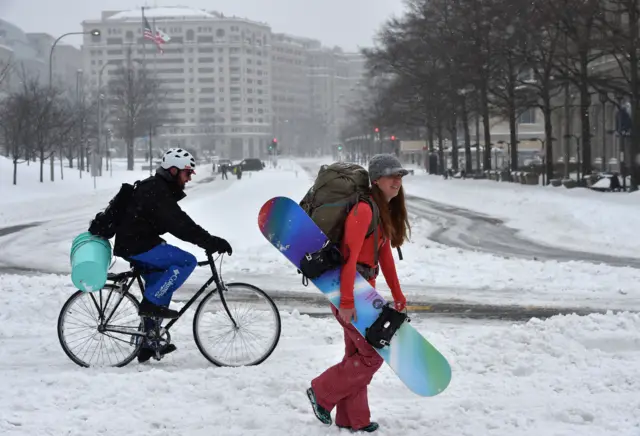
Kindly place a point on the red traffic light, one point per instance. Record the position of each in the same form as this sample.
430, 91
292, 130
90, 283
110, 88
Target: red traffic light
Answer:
393, 138
376, 130
274, 140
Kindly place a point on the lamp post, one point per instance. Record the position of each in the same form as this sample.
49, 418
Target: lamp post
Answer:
100, 97
94, 32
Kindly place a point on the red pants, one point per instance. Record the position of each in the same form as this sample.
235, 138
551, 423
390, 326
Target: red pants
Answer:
345, 385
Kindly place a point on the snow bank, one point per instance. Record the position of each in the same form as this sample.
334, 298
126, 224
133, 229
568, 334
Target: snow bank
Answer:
564, 376
578, 219
434, 271
32, 201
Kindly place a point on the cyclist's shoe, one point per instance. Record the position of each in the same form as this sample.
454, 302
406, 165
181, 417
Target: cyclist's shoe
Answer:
147, 353
147, 308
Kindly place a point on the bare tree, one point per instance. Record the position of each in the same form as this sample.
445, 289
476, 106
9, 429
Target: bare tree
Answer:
6, 68
45, 114
134, 93
619, 25
15, 131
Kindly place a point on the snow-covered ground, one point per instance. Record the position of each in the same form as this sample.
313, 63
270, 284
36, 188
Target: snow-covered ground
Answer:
568, 375
30, 200
228, 208
578, 219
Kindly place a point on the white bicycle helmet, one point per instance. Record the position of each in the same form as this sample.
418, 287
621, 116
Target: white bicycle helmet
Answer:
179, 158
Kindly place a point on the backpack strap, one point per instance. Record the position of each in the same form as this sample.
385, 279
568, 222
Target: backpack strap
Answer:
373, 227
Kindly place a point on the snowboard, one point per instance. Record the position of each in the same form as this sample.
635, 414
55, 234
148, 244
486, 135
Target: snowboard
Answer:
418, 364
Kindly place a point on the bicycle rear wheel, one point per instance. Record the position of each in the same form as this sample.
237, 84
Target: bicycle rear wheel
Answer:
89, 340
253, 337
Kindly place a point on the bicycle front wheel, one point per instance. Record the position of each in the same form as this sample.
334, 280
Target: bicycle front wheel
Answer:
246, 338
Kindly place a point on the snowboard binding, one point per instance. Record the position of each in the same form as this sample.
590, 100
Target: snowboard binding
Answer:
313, 265
380, 333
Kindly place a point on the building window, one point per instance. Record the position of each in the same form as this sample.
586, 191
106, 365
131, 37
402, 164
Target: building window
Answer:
528, 117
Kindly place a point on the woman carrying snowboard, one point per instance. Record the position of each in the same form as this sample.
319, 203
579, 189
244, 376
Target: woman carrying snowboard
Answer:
344, 385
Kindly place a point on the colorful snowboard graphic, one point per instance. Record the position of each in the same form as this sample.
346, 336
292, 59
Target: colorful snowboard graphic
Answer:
417, 363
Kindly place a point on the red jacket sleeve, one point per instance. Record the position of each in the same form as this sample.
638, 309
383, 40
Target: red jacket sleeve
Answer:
388, 267
355, 230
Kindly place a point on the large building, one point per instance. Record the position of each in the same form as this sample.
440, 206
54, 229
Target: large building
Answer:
290, 89
215, 69
312, 86
232, 84
29, 53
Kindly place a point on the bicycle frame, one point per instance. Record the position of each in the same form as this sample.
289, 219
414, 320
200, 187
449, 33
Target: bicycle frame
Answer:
137, 276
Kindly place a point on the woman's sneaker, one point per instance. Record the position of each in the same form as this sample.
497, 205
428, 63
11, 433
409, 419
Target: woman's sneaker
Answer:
321, 413
373, 426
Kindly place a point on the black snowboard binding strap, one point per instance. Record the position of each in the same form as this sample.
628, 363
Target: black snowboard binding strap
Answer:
313, 265
380, 333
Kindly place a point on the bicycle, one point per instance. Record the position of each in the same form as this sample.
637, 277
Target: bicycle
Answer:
129, 339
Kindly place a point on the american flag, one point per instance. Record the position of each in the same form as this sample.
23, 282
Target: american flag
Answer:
158, 37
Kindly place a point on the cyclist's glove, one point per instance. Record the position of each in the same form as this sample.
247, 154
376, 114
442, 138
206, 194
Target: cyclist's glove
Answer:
219, 245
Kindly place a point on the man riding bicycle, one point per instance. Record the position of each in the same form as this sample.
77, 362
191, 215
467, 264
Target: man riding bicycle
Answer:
153, 211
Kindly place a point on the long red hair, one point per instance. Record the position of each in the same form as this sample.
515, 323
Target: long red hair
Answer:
393, 216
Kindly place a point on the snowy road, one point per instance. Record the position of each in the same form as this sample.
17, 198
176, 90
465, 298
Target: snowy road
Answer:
469, 230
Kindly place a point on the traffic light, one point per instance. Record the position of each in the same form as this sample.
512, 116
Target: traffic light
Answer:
339, 147
393, 138
376, 130
274, 144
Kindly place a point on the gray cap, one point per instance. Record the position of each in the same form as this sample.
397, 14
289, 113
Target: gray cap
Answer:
386, 164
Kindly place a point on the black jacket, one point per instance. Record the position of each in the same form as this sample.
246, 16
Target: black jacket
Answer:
153, 211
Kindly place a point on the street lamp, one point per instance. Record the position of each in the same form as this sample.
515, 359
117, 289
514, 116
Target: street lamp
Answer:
94, 32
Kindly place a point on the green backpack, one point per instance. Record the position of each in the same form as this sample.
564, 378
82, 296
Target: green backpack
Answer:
337, 189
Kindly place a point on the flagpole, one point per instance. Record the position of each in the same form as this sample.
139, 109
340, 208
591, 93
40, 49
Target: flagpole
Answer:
155, 97
144, 45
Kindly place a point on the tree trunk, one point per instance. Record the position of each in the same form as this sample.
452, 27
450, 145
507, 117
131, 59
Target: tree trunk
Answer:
61, 166
130, 141
513, 137
484, 97
42, 167
468, 167
52, 167
548, 134
631, 158
431, 148
477, 143
585, 106
454, 143
440, 149
15, 171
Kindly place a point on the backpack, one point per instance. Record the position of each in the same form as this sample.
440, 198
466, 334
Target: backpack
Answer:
336, 190
105, 224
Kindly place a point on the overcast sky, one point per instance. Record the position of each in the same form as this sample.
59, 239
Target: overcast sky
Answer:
347, 23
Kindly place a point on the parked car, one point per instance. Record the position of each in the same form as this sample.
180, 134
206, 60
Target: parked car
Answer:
251, 164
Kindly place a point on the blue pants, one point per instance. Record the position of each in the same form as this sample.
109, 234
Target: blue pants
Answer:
177, 265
